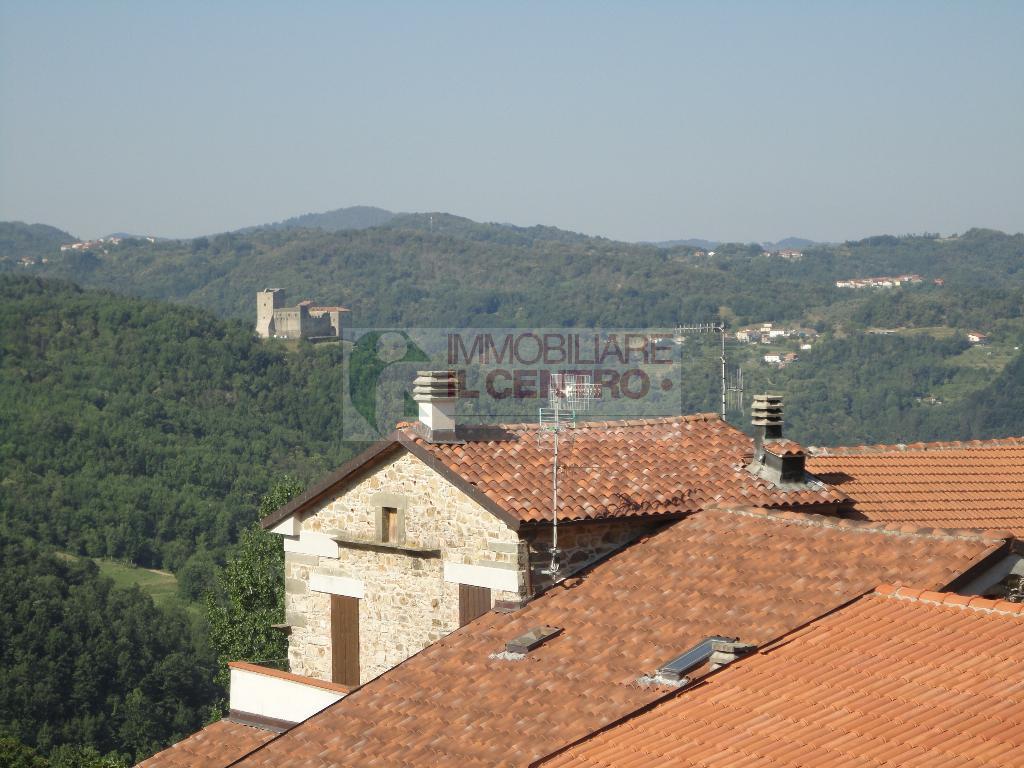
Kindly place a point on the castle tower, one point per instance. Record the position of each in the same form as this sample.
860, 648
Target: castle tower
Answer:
266, 302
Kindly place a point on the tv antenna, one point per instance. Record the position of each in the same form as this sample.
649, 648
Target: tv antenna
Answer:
719, 328
568, 394
734, 390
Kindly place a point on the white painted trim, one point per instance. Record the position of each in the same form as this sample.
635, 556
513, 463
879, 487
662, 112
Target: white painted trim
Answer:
290, 526
503, 579
1011, 563
336, 585
309, 543
275, 697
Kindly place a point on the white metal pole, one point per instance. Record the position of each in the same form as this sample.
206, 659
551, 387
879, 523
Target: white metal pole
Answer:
721, 332
554, 501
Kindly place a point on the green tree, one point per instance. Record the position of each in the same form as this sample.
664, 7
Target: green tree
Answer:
284, 490
84, 757
196, 575
249, 594
14, 754
87, 666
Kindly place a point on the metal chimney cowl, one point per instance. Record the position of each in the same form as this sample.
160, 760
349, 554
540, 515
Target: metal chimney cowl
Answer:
766, 413
776, 459
437, 393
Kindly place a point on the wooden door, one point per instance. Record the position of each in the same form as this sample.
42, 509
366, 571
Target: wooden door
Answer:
473, 603
345, 640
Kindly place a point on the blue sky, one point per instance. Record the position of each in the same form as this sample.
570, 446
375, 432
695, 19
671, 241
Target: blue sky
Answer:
724, 120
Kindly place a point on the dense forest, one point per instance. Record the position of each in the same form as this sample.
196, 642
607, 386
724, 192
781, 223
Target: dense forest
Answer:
146, 431
86, 665
142, 421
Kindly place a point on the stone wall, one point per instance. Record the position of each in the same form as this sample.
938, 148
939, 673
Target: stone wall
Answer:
405, 602
266, 302
295, 322
329, 323
580, 544
408, 590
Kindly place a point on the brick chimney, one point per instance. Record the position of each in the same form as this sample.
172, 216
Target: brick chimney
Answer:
776, 459
436, 393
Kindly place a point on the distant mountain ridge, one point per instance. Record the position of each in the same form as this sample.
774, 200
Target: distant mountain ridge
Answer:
693, 242
787, 243
18, 239
794, 243
353, 217
37, 238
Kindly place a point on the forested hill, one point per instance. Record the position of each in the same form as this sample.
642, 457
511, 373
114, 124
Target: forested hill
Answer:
356, 217
147, 431
37, 241
436, 269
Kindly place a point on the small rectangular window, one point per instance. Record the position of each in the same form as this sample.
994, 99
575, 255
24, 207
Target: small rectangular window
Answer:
389, 524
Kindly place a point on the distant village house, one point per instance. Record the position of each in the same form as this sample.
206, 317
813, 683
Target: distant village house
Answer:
897, 281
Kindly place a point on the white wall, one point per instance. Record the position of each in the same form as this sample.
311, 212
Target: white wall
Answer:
277, 697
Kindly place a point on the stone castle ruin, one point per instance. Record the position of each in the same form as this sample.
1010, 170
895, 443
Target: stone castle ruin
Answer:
303, 321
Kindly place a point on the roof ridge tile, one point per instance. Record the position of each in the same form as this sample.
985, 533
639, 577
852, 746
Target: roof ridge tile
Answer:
919, 447
868, 526
583, 423
949, 599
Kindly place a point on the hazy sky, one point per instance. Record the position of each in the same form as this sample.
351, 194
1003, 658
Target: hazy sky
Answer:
723, 120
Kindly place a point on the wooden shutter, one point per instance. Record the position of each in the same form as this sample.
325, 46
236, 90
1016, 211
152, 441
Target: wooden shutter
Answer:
345, 640
473, 603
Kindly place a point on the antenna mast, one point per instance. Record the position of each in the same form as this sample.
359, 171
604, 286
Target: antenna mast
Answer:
718, 328
567, 395
735, 390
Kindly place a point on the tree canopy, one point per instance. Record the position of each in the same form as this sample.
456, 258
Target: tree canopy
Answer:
84, 664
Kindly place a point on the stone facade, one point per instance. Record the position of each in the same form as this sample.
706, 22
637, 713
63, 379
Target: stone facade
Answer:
406, 603
580, 544
408, 588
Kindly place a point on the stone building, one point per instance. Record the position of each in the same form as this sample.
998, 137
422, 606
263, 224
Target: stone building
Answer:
303, 321
439, 523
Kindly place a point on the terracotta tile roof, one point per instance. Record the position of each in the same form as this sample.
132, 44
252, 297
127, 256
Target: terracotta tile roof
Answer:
216, 745
751, 574
976, 484
784, 447
898, 678
634, 468
618, 469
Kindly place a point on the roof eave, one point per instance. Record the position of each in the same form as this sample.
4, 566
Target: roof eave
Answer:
998, 550
369, 458
318, 491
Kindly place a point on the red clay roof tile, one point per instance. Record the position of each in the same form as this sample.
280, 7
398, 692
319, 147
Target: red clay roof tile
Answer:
216, 745
619, 468
784, 447
888, 680
973, 484
746, 573
609, 469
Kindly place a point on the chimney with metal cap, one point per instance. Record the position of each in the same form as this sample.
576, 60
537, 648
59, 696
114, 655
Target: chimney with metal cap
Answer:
776, 459
436, 393
767, 420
